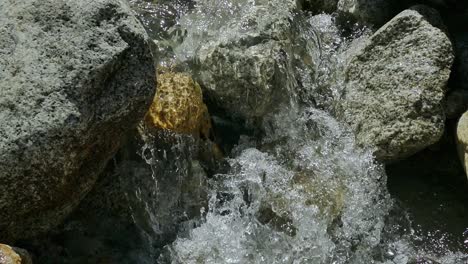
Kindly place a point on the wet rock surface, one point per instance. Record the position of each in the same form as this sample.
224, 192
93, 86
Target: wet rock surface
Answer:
75, 76
178, 106
244, 65
295, 186
150, 191
395, 85
12, 255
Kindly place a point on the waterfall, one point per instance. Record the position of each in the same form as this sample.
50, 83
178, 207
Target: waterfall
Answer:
297, 190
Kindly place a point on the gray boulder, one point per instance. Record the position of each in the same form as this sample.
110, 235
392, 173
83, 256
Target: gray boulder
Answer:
395, 85
74, 77
245, 65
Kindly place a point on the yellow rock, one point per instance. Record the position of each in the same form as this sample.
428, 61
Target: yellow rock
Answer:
9, 255
178, 106
462, 140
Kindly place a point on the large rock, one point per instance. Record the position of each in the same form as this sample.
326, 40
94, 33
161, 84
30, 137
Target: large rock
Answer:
75, 76
395, 85
245, 65
462, 140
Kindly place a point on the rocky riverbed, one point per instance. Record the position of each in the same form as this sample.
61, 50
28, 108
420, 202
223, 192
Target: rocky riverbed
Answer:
234, 131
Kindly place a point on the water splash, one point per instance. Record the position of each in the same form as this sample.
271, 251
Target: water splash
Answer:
314, 198
304, 193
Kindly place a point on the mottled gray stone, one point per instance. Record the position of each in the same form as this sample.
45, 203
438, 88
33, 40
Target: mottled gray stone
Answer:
368, 11
395, 85
74, 77
245, 65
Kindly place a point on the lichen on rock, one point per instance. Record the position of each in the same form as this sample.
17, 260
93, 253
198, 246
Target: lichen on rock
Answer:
178, 106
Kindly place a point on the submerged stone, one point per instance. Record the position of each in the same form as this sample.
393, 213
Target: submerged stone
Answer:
395, 85
75, 77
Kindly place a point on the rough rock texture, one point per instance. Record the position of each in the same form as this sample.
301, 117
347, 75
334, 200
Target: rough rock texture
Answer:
245, 65
396, 82
178, 106
133, 210
368, 11
74, 77
462, 140
11, 255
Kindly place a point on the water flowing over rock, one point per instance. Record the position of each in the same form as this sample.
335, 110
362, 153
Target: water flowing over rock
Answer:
462, 140
75, 77
301, 199
298, 187
396, 82
243, 59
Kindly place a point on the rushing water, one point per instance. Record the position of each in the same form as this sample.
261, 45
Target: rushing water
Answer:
303, 192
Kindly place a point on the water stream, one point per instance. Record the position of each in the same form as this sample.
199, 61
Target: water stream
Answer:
300, 191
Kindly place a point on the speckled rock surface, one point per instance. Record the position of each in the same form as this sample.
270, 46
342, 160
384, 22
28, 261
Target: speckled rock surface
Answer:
396, 82
75, 76
244, 64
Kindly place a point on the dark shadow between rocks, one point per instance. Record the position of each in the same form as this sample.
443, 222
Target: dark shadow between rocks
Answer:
432, 187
